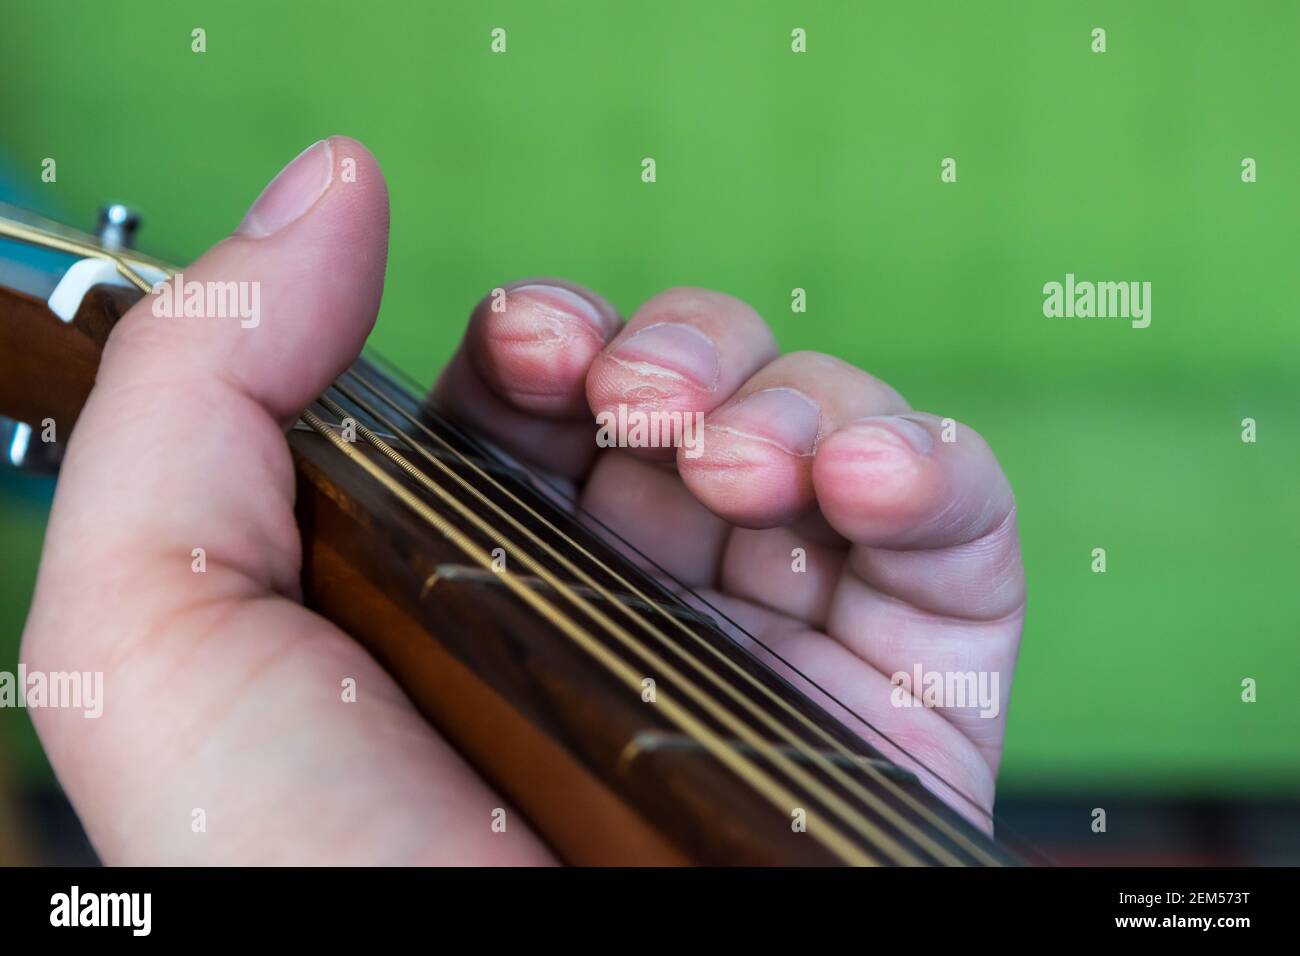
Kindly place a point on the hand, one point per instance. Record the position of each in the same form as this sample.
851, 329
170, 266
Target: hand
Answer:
222, 694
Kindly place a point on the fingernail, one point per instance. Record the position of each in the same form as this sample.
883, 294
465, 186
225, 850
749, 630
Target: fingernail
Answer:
784, 417
895, 432
291, 193
672, 349
553, 305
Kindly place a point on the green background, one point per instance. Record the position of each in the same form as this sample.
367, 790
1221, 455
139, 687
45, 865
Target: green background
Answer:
819, 170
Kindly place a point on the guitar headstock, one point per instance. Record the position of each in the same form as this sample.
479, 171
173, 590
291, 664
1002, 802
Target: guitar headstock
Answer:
61, 292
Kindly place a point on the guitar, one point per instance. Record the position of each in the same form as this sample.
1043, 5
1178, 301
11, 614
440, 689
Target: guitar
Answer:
616, 712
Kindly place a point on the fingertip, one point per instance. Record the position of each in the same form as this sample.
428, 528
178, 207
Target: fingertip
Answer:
533, 343
335, 177
616, 400
876, 479
621, 379
281, 307
360, 189
685, 351
754, 466
750, 483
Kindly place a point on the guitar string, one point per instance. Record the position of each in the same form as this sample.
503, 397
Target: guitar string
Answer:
568, 498
661, 666
762, 783
866, 796
11, 229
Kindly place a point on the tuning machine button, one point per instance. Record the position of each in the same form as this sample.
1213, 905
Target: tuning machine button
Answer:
117, 226
22, 448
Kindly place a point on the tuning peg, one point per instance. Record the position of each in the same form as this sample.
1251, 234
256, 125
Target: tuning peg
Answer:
22, 448
117, 226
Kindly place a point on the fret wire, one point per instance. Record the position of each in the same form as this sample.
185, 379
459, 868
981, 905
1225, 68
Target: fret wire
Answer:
881, 807
444, 421
850, 815
778, 795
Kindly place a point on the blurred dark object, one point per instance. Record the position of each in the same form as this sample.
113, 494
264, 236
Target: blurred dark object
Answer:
1262, 832
14, 850
50, 833
1158, 832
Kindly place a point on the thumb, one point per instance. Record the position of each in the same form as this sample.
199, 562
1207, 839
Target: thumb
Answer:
213, 695
308, 259
180, 445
